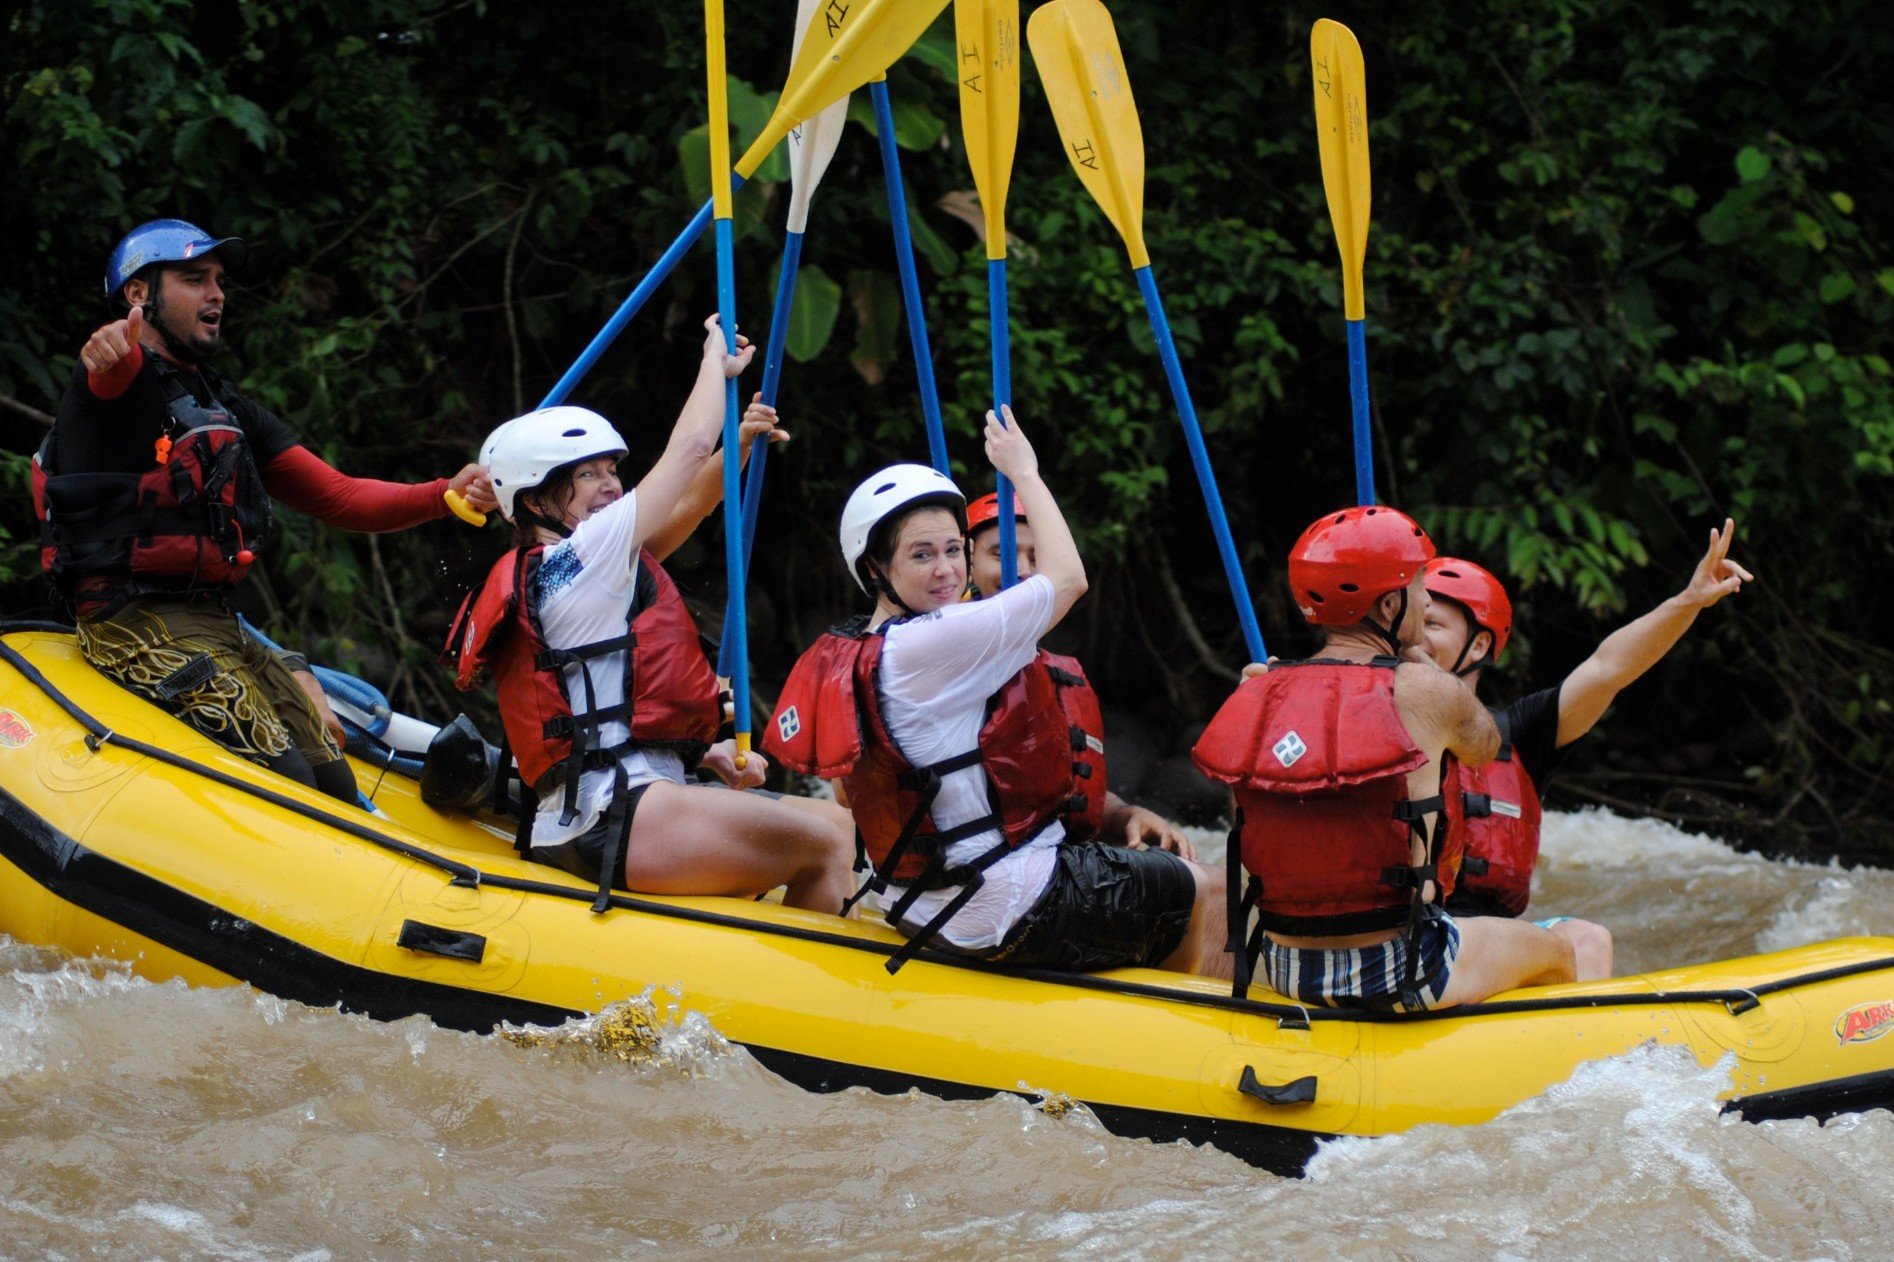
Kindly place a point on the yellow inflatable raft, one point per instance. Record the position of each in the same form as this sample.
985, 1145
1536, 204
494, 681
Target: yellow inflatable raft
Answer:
123, 833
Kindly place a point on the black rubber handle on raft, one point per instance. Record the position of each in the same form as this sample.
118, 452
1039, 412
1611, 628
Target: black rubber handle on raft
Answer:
435, 940
1301, 1091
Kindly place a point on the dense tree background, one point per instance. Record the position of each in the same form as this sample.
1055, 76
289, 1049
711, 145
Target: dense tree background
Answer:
1624, 278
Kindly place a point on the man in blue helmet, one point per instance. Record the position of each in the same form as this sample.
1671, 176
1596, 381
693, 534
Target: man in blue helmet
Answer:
154, 491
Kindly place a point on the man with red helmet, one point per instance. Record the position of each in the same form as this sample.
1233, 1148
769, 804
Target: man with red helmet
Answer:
1468, 624
1336, 766
1098, 812
153, 493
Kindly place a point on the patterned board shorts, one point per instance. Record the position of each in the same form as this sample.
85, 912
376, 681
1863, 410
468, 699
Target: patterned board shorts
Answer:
1369, 976
193, 659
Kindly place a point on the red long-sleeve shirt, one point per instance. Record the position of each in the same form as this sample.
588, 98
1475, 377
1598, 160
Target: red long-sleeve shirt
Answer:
304, 481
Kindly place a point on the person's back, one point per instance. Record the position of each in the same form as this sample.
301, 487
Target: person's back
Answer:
1346, 849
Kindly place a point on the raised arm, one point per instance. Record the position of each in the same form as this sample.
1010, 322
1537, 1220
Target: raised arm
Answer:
1058, 556
1633, 649
693, 437
706, 488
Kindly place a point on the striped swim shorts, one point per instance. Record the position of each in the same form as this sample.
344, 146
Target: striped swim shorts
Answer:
1365, 977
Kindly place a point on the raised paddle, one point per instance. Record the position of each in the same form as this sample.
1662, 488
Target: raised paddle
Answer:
1076, 50
811, 146
910, 276
735, 649
847, 45
1341, 128
987, 35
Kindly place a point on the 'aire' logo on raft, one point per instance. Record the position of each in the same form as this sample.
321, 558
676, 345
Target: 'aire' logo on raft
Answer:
14, 731
789, 723
1866, 1022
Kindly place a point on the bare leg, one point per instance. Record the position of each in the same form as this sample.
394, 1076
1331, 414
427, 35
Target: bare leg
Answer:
1591, 944
690, 839
1498, 954
1202, 951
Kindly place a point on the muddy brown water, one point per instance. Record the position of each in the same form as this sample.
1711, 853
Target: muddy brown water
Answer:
157, 1121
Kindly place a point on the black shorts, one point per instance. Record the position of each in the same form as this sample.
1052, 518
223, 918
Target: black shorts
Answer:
1107, 907
584, 855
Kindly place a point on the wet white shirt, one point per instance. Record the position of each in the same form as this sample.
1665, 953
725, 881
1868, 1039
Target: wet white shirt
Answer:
585, 587
935, 675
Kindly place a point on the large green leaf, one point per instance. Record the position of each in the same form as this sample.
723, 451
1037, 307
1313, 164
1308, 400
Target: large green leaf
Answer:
812, 313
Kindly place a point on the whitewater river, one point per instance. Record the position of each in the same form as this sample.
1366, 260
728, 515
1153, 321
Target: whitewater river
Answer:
154, 1121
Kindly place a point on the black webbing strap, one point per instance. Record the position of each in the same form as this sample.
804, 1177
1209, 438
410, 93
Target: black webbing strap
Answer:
1236, 909
926, 781
617, 844
551, 658
927, 932
1421, 913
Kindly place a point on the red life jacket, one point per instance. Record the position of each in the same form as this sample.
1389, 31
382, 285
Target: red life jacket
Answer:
1084, 813
1499, 825
1318, 757
828, 723
670, 683
190, 523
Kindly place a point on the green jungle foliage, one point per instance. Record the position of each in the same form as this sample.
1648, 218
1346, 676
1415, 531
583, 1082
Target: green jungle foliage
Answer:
1624, 278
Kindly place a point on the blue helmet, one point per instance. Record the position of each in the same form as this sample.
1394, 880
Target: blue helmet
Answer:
166, 241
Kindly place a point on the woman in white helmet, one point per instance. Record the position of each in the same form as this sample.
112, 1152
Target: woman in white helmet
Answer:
605, 692
957, 762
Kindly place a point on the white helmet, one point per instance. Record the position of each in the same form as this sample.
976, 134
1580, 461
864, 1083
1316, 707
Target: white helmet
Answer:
521, 453
896, 487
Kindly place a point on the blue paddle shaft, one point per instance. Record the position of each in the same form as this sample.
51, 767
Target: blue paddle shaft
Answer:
1002, 399
1358, 399
1200, 460
772, 378
910, 278
660, 271
735, 648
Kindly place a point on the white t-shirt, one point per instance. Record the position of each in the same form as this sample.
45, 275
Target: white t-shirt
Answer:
585, 588
935, 675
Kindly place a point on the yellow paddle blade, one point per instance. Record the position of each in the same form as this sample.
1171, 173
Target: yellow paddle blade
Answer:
848, 43
987, 35
1076, 49
720, 202
1341, 125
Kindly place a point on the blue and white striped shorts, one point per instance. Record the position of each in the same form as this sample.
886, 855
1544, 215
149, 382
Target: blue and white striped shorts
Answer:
1367, 976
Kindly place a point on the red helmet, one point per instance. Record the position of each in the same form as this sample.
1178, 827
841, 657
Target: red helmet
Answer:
1479, 593
1347, 560
986, 510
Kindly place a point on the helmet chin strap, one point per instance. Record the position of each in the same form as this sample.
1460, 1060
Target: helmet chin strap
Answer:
533, 517
883, 587
181, 351
1391, 635
1486, 659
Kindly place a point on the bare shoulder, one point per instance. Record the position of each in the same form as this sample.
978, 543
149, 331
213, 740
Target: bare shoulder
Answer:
1438, 705
1425, 683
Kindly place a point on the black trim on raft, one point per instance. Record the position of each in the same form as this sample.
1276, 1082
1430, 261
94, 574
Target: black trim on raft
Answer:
1819, 1100
243, 949
1277, 1149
